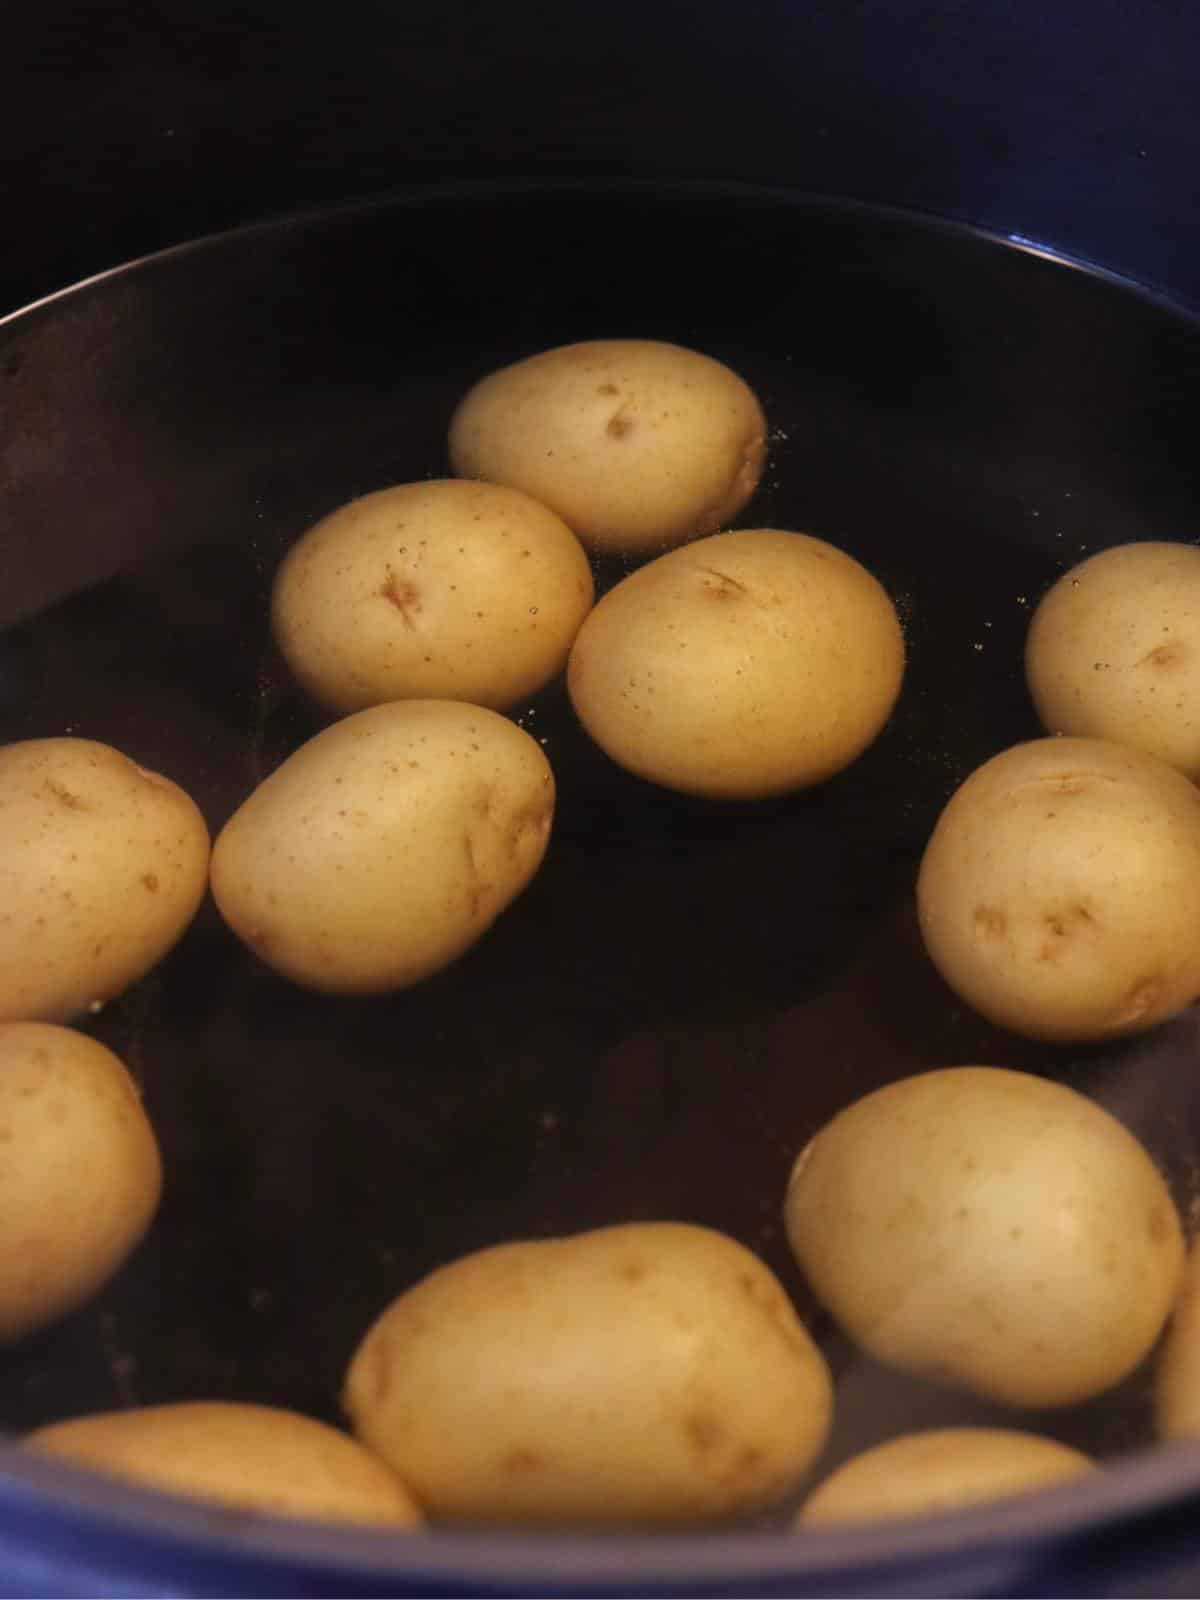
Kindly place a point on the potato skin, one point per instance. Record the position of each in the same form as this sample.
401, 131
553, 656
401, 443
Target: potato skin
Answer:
644, 1373
438, 590
254, 1458
1112, 651
1059, 894
940, 1470
105, 866
991, 1229
382, 849
741, 666
638, 445
80, 1171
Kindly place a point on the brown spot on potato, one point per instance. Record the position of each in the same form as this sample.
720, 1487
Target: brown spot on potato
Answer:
150, 881
724, 588
704, 1433
632, 1271
404, 595
608, 388
1157, 1226
518, 1461
620, 426
64, 796
1165, 655
989, 922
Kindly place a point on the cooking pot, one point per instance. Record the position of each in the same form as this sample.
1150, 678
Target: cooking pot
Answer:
688, 991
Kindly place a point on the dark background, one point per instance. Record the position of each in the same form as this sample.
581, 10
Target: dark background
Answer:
124, 128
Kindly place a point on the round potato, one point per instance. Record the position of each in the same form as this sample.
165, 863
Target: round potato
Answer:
386, 846
941, 1470
254, 1458
1177, 1388
638, 445
103, 869
80, 1173
1112, 651
652, 1373
1059, 894
990, 1229
744, 665
443, 590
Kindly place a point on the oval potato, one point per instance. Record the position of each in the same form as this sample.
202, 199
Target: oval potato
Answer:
1113, 651
438, 590
1059, 894
744, 665
636, 444
652, 1372
941, 1470
80, 1172
386, 846
105, 865
990, 1229
254, 1458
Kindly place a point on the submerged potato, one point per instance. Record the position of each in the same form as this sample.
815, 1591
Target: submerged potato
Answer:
636, 444
654, 1372
943, 1469
1059, 894
743, 665
990, 1229
80, 1173
254, 1458
1177, 1387
104, 867
438, 590
1113, 651
385, 846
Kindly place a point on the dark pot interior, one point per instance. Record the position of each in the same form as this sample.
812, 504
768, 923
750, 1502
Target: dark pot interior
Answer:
688, 990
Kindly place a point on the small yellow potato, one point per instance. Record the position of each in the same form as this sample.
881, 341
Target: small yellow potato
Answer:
1177, 1386
636, 444
249, 1457
990, 1229
80, 1172
442, 590
104, 866
941, 1470
645, 1373
743, 665
1059, 894
386, 846
1113, 651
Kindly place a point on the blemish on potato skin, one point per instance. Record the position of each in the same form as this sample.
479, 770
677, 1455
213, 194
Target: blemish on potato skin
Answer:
404, 595
521, 1461
64, 796
989, 922
704, 1433
1170, 654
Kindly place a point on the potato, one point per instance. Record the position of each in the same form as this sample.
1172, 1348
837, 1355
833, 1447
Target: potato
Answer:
440, 590
253, 1458
941, 1470
645, 1373
80, 1173
636, 444
386, 846
744, 665
1113, 652
1177, 1385
990, 1229
104, 867
1059, 894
